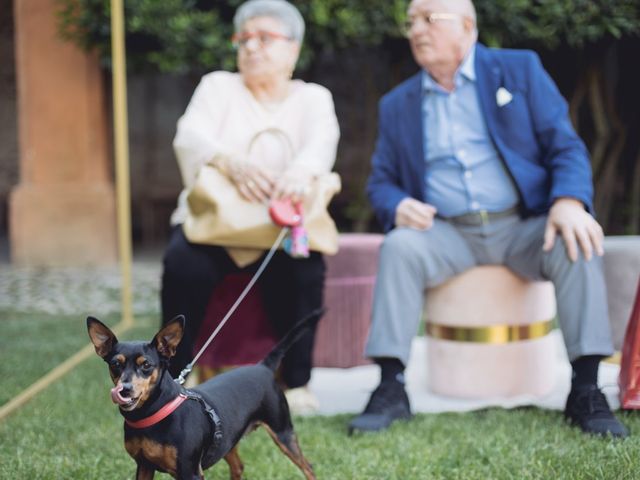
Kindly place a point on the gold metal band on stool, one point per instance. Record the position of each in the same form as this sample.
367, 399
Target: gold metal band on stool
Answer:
494, 334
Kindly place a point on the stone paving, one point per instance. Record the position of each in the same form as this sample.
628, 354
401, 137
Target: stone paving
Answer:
78, 290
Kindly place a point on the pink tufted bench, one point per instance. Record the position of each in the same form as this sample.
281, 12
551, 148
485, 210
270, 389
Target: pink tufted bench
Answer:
348, 294
341, 334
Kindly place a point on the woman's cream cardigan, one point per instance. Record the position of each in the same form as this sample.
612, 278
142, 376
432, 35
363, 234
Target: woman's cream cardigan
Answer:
223, 117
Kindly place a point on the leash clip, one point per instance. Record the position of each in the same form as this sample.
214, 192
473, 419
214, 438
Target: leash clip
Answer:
183, 374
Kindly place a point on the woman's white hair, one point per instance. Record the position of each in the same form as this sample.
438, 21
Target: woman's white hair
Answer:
278, 9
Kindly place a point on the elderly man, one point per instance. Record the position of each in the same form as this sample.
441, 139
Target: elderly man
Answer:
477, 163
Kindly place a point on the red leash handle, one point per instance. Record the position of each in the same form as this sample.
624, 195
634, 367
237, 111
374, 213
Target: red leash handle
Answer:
285, 213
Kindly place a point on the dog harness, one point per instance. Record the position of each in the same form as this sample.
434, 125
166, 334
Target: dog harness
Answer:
211, 413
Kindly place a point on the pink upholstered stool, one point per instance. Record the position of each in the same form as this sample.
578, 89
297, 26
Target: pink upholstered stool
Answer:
488, 335
348, 294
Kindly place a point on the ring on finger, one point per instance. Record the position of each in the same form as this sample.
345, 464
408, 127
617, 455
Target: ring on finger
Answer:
251, 184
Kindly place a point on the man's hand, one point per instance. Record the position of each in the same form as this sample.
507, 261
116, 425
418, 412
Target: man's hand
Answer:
577, 227
415, 214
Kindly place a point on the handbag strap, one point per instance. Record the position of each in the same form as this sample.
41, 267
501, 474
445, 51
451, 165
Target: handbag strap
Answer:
278, 133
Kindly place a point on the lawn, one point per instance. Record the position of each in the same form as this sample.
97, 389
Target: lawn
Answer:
73, 431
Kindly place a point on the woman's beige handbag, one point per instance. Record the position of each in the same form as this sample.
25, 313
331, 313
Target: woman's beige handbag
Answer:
218, 215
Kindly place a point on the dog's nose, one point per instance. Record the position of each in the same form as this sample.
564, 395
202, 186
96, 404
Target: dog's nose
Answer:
127, 389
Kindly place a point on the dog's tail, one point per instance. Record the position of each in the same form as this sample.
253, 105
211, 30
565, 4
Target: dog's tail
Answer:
274, 357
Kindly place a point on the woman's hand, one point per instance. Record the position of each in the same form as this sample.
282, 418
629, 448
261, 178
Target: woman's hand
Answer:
253, 182
294, 184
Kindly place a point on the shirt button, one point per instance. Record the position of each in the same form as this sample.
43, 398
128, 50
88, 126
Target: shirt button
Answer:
475, 205
468, 174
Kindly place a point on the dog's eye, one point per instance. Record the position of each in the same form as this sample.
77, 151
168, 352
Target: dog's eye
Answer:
115, 365
146, 365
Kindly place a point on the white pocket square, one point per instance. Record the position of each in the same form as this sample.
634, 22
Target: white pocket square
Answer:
503, 96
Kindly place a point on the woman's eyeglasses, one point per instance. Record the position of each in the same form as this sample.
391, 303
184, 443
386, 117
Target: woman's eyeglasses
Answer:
428, 19
263, 37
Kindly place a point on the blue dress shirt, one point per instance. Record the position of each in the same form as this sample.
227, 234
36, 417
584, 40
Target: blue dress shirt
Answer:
464, 172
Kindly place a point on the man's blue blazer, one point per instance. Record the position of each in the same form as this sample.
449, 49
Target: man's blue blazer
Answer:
532, 133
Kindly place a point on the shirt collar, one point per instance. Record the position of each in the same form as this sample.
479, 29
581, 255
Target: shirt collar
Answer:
466, 69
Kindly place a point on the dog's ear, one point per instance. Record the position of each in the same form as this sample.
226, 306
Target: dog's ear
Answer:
102, 338
168, 338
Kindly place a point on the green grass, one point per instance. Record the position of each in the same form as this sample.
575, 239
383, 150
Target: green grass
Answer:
33, 344
73, 431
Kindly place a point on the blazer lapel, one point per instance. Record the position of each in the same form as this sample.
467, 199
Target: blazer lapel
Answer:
489, 79
413, 127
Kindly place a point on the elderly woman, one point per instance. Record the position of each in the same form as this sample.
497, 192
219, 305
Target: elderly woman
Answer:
270, 135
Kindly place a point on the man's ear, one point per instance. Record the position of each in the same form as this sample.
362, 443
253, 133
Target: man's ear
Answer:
102, 338
167, 339
469, 24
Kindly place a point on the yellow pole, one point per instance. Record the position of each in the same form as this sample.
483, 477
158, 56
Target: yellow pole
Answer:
59, 371
121, 141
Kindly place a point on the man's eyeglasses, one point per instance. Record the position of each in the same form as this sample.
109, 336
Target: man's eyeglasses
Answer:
428, 19
263, 37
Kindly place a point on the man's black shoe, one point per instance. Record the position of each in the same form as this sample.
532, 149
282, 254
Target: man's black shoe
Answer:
587, 408
388, 403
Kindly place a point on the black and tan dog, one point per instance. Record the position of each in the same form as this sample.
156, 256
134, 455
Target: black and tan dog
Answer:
185, 431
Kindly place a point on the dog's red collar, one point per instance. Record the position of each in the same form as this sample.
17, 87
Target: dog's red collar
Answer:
160, 415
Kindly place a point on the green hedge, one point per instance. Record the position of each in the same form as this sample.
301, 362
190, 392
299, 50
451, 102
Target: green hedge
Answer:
192, 35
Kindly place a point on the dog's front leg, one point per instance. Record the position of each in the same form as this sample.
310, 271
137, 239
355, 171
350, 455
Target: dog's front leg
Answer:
235, 464
145, 472
188, 471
